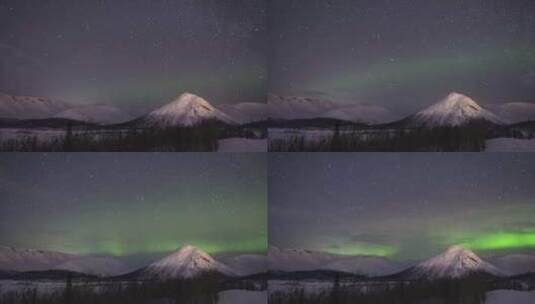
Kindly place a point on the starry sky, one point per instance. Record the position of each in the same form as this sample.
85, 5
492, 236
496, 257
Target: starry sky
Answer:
131, 204
134, 52
405, 206
403, 54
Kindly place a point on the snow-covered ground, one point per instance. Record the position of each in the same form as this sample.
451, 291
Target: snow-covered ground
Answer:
242, 297
242, 145
48, 286
40, 286
510, 297
41, 135
510, 145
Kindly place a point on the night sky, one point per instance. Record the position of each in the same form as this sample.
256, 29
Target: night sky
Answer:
403, 54
131, 204
134, 53
405, 206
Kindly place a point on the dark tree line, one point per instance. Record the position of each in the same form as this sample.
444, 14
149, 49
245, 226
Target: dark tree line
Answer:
442, 139
199, 290
203, 137
465, 291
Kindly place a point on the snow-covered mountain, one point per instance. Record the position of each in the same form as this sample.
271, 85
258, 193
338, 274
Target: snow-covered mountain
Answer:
186, 110
37, 260
297, 259
514, 111
514, 264
245, 112
31, 259
29, 107
454, 110
293, 107
99, 114
187, 262
95, 265
245, 264
455, 262
370, 114
308, 260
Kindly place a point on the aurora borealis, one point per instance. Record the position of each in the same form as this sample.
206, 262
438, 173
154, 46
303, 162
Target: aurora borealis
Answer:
405, 206
134, 54
133, 204
403, 55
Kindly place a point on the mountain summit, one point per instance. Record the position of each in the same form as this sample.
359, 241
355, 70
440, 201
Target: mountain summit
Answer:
454, 110
186, 110
187, 262
455, 262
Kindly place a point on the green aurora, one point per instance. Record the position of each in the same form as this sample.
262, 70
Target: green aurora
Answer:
134, 203
426, 70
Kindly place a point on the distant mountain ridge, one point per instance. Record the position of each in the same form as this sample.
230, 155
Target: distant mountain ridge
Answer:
309, 260
455, 262
186, 262
453, 110
186, 110
42, 260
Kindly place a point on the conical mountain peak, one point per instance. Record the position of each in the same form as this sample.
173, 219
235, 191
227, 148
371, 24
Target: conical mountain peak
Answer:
454, 110
455, 262
187, 262
186, 110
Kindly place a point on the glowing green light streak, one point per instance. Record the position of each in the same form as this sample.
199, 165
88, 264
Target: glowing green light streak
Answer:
502, 240
428, 70
364, 249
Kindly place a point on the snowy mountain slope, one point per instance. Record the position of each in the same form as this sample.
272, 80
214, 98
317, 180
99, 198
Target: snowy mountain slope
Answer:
99, 114
187, 262
297, 259
455, 262
29, 107
307, 260
94, 265
39, 260
186, 110
31, 259
292, 107
514, 111
369, 114
245, 264
454, 110
245, 112
514, 264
